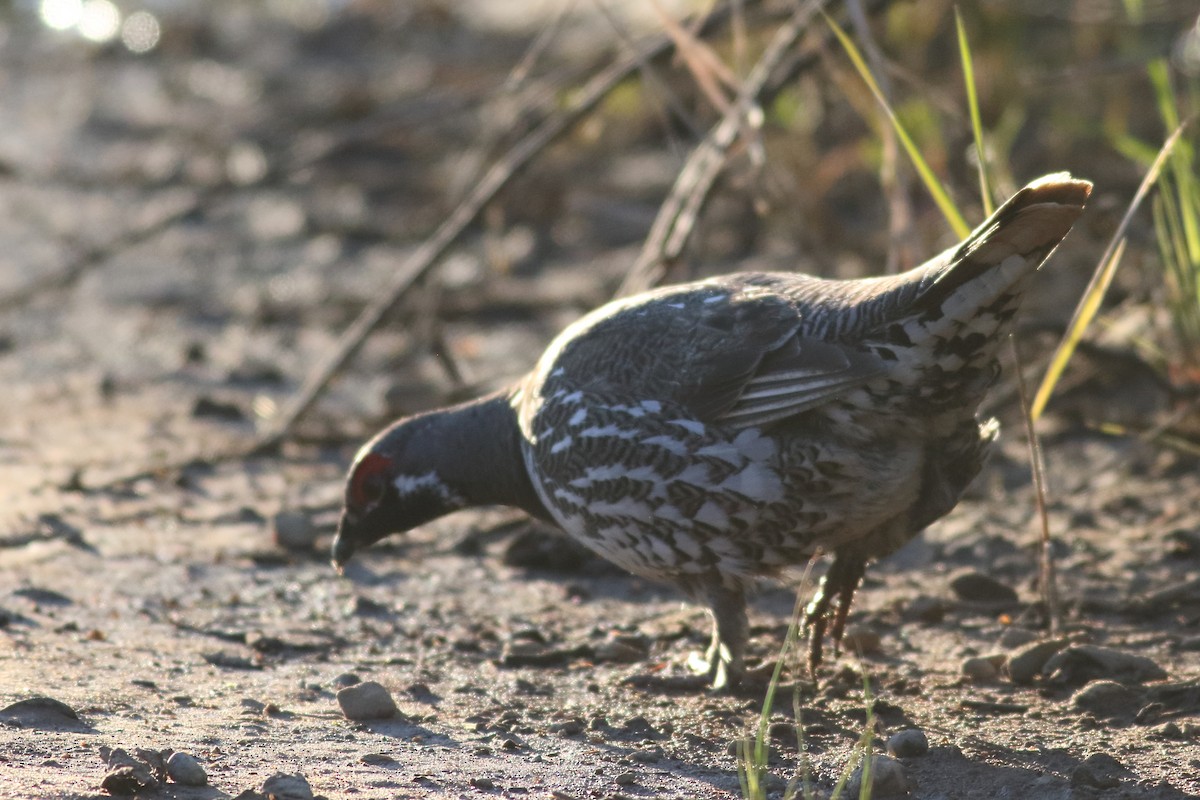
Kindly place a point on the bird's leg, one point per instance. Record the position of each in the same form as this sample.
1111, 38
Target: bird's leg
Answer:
723, 661
841, 581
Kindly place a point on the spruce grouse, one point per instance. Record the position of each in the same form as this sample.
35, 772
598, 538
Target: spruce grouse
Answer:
713, 432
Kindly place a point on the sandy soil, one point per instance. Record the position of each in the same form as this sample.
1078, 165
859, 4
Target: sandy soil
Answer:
164, 614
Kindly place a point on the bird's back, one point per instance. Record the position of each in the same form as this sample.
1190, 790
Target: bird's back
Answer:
737, 423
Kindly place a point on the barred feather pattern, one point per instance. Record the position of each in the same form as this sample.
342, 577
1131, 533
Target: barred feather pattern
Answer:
710, 433
621, 458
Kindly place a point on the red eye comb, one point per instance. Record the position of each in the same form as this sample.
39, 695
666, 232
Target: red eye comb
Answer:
367, 484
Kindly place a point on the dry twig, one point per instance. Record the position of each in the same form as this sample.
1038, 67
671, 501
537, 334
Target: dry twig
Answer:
424, 259
678, 214
1048, 581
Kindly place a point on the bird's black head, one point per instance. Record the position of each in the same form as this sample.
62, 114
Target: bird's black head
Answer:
392, 488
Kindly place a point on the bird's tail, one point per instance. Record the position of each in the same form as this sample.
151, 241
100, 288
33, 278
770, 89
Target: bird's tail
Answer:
945, 343
1011, 243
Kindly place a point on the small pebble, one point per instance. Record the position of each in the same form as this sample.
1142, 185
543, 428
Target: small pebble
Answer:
293, 530
981, 588
1026, 663
368, 700
186, 770
626, 779
1169, 730
1098, 771
287, 787
888, 779
217, 409
346, 679
122, 782
908, 743
1081, 663
1150, 714
982, 669
378, 760
1106, 699
1014, 637
861, 639
783, 730
130, 774
926, 609
38, 711
570, 727
622, 650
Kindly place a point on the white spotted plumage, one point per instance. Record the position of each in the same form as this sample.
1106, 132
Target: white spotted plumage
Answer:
710, 433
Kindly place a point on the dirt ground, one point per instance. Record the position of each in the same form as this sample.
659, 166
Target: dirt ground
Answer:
185, 234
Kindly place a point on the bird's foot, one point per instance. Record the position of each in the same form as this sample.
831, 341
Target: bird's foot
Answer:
717, 666
839, 583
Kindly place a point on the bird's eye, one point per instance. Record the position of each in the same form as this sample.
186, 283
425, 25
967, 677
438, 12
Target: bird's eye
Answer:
368, 483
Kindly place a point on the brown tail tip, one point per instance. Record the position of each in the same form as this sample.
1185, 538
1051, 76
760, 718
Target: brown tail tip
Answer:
1057, 187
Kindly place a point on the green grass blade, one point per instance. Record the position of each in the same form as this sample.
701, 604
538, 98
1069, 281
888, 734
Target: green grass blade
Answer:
964, 51
1183, 159
1094, 294
753, 756
1133, 148
1084, 314
932, 184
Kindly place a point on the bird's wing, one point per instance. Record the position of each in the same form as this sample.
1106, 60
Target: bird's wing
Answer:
727, 350
798, 375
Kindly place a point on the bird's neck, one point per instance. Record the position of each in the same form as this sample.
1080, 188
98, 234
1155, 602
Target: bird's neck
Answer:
477, 450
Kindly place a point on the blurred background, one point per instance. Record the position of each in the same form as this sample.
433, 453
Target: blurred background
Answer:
197, 198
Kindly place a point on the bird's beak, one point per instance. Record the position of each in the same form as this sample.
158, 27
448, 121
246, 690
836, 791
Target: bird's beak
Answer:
343, 547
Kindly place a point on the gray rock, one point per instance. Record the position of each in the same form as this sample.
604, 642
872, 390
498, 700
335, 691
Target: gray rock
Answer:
1169, 730
981, 588
293, 530
908, 743
622, 650
926, 609
1107, 699
129, 774
123, 781
1026, 664
186, 770
888, 779
1098, 771
1014, 637
861, 639
40, 712
281, 786
982, 669
346, 679
1081, 663
367, 700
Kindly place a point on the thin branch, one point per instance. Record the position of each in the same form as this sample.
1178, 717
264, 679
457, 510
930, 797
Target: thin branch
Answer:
432, 249
901, 230
679, 213
1048, 580
96, 255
